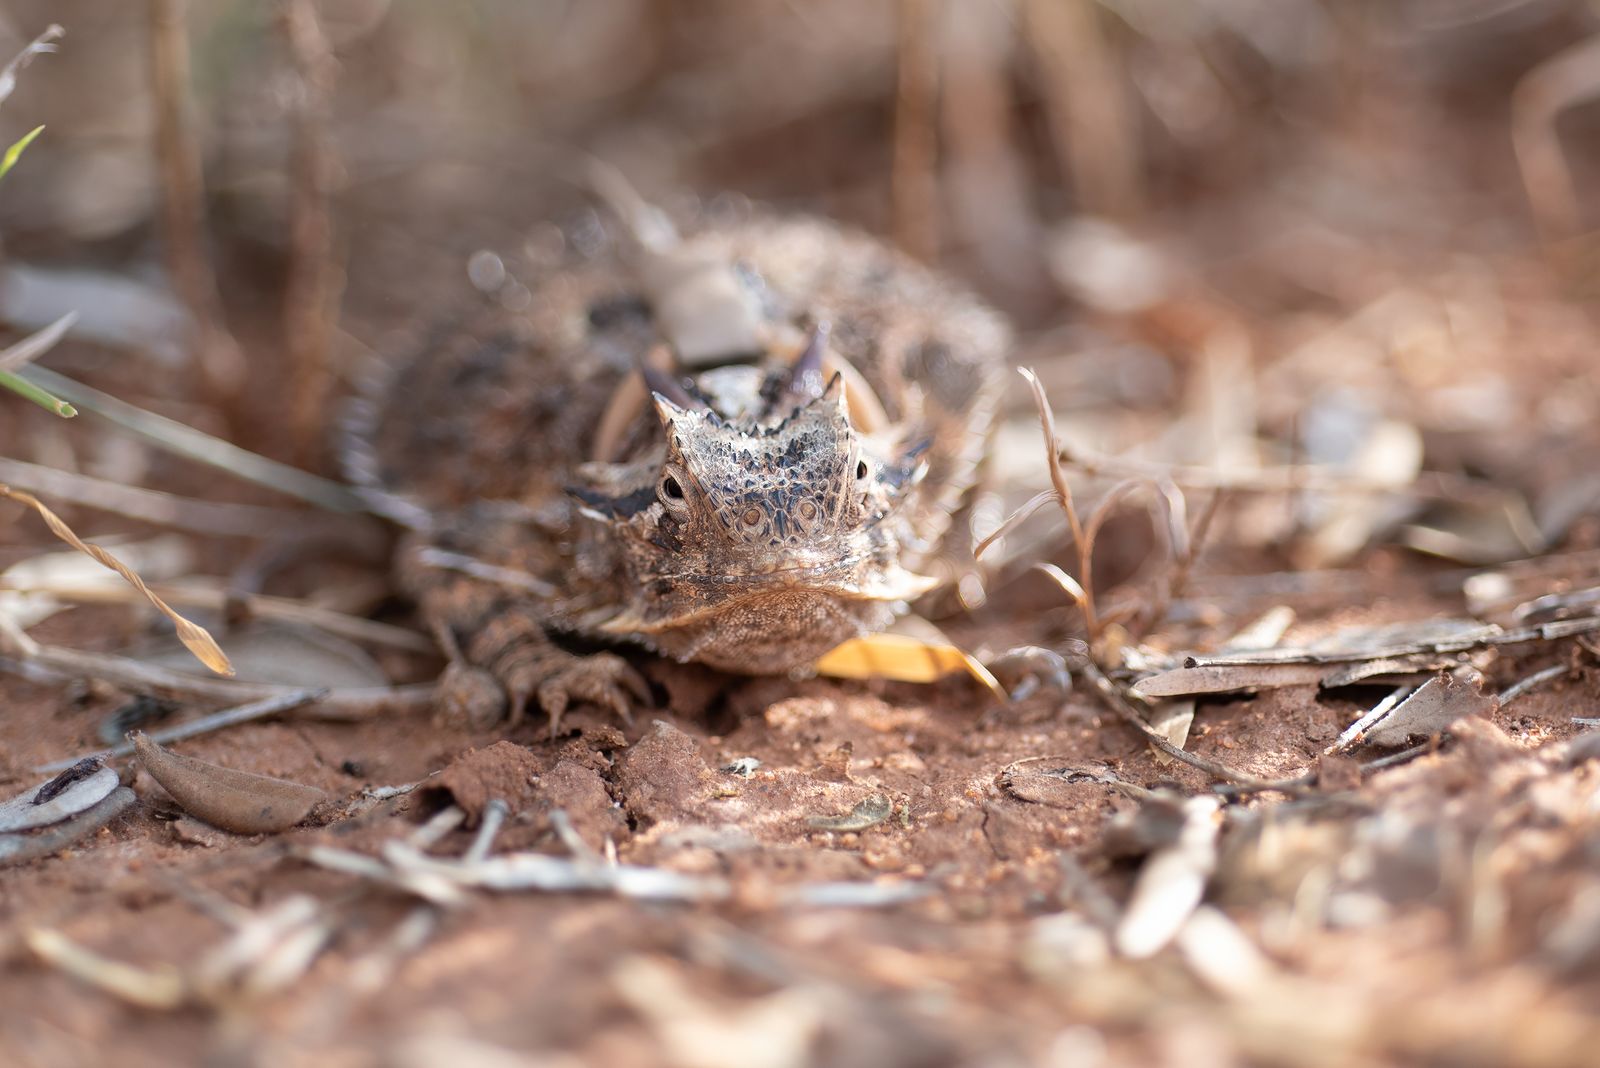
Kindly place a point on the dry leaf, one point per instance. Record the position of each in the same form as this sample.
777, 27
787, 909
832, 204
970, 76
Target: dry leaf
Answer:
903, 658
237, 801
1437, 703
1228, 679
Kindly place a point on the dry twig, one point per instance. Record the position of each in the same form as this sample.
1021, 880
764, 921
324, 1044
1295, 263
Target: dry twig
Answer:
228, 717
255, 605
40, 45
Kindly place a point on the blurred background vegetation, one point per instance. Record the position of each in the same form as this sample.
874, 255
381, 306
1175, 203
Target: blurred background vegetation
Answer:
1259, 229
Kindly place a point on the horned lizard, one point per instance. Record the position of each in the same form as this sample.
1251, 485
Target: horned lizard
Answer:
739, 445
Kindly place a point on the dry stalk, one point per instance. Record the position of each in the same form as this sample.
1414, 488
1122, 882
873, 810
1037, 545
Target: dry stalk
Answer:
1093, 126
338, 705
40, 45
194, 637
256, 605
1569, 77
19, 355
221, 361
316, 279
1118, 702
186, 513
1430, 485
915, 179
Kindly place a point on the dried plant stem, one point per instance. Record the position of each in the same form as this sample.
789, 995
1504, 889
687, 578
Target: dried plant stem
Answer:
17, 356
987, 201
40, 45
182, 513
258, 605
915, 178
1082, 540
1431, 485
1569, 77
216, 721
1537, 679
1114, 698
221, 361
194, 637
135, 676
316, 279
160, 988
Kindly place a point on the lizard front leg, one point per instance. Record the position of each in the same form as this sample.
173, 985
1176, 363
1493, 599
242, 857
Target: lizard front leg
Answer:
501, 658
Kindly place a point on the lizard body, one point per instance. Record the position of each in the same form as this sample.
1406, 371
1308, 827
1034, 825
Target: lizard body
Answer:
742, 447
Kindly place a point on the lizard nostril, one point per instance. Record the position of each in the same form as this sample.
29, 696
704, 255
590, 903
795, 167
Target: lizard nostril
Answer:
751, 517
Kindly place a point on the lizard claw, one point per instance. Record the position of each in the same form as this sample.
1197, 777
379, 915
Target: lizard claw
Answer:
604, 679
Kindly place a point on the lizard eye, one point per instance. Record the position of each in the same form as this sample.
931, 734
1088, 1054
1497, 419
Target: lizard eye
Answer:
861, 471
670, 491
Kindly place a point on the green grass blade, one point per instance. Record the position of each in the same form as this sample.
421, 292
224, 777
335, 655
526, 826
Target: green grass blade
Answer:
9, 160
32, 392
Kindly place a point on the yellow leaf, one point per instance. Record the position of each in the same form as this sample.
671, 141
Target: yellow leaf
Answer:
902, 658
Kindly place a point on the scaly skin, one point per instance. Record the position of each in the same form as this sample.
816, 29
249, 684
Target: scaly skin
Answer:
751, 514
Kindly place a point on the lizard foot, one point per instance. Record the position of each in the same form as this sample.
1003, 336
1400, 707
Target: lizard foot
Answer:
478, 698
603, 679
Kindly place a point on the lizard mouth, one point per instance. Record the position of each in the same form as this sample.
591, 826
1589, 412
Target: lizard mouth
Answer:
709, 596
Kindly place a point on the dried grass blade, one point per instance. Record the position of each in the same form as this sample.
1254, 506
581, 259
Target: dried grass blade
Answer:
194, 637
1052, 450
30, 348
1015, 519
162, 987
45, 42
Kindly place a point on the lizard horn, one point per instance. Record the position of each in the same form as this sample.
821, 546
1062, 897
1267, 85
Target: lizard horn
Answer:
668, 386
805, 375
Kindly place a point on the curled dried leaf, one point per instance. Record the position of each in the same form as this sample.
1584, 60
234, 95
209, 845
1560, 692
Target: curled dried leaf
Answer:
43, 841
238, 801
78, 788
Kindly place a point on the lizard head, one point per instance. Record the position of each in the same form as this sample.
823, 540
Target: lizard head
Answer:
756, 542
